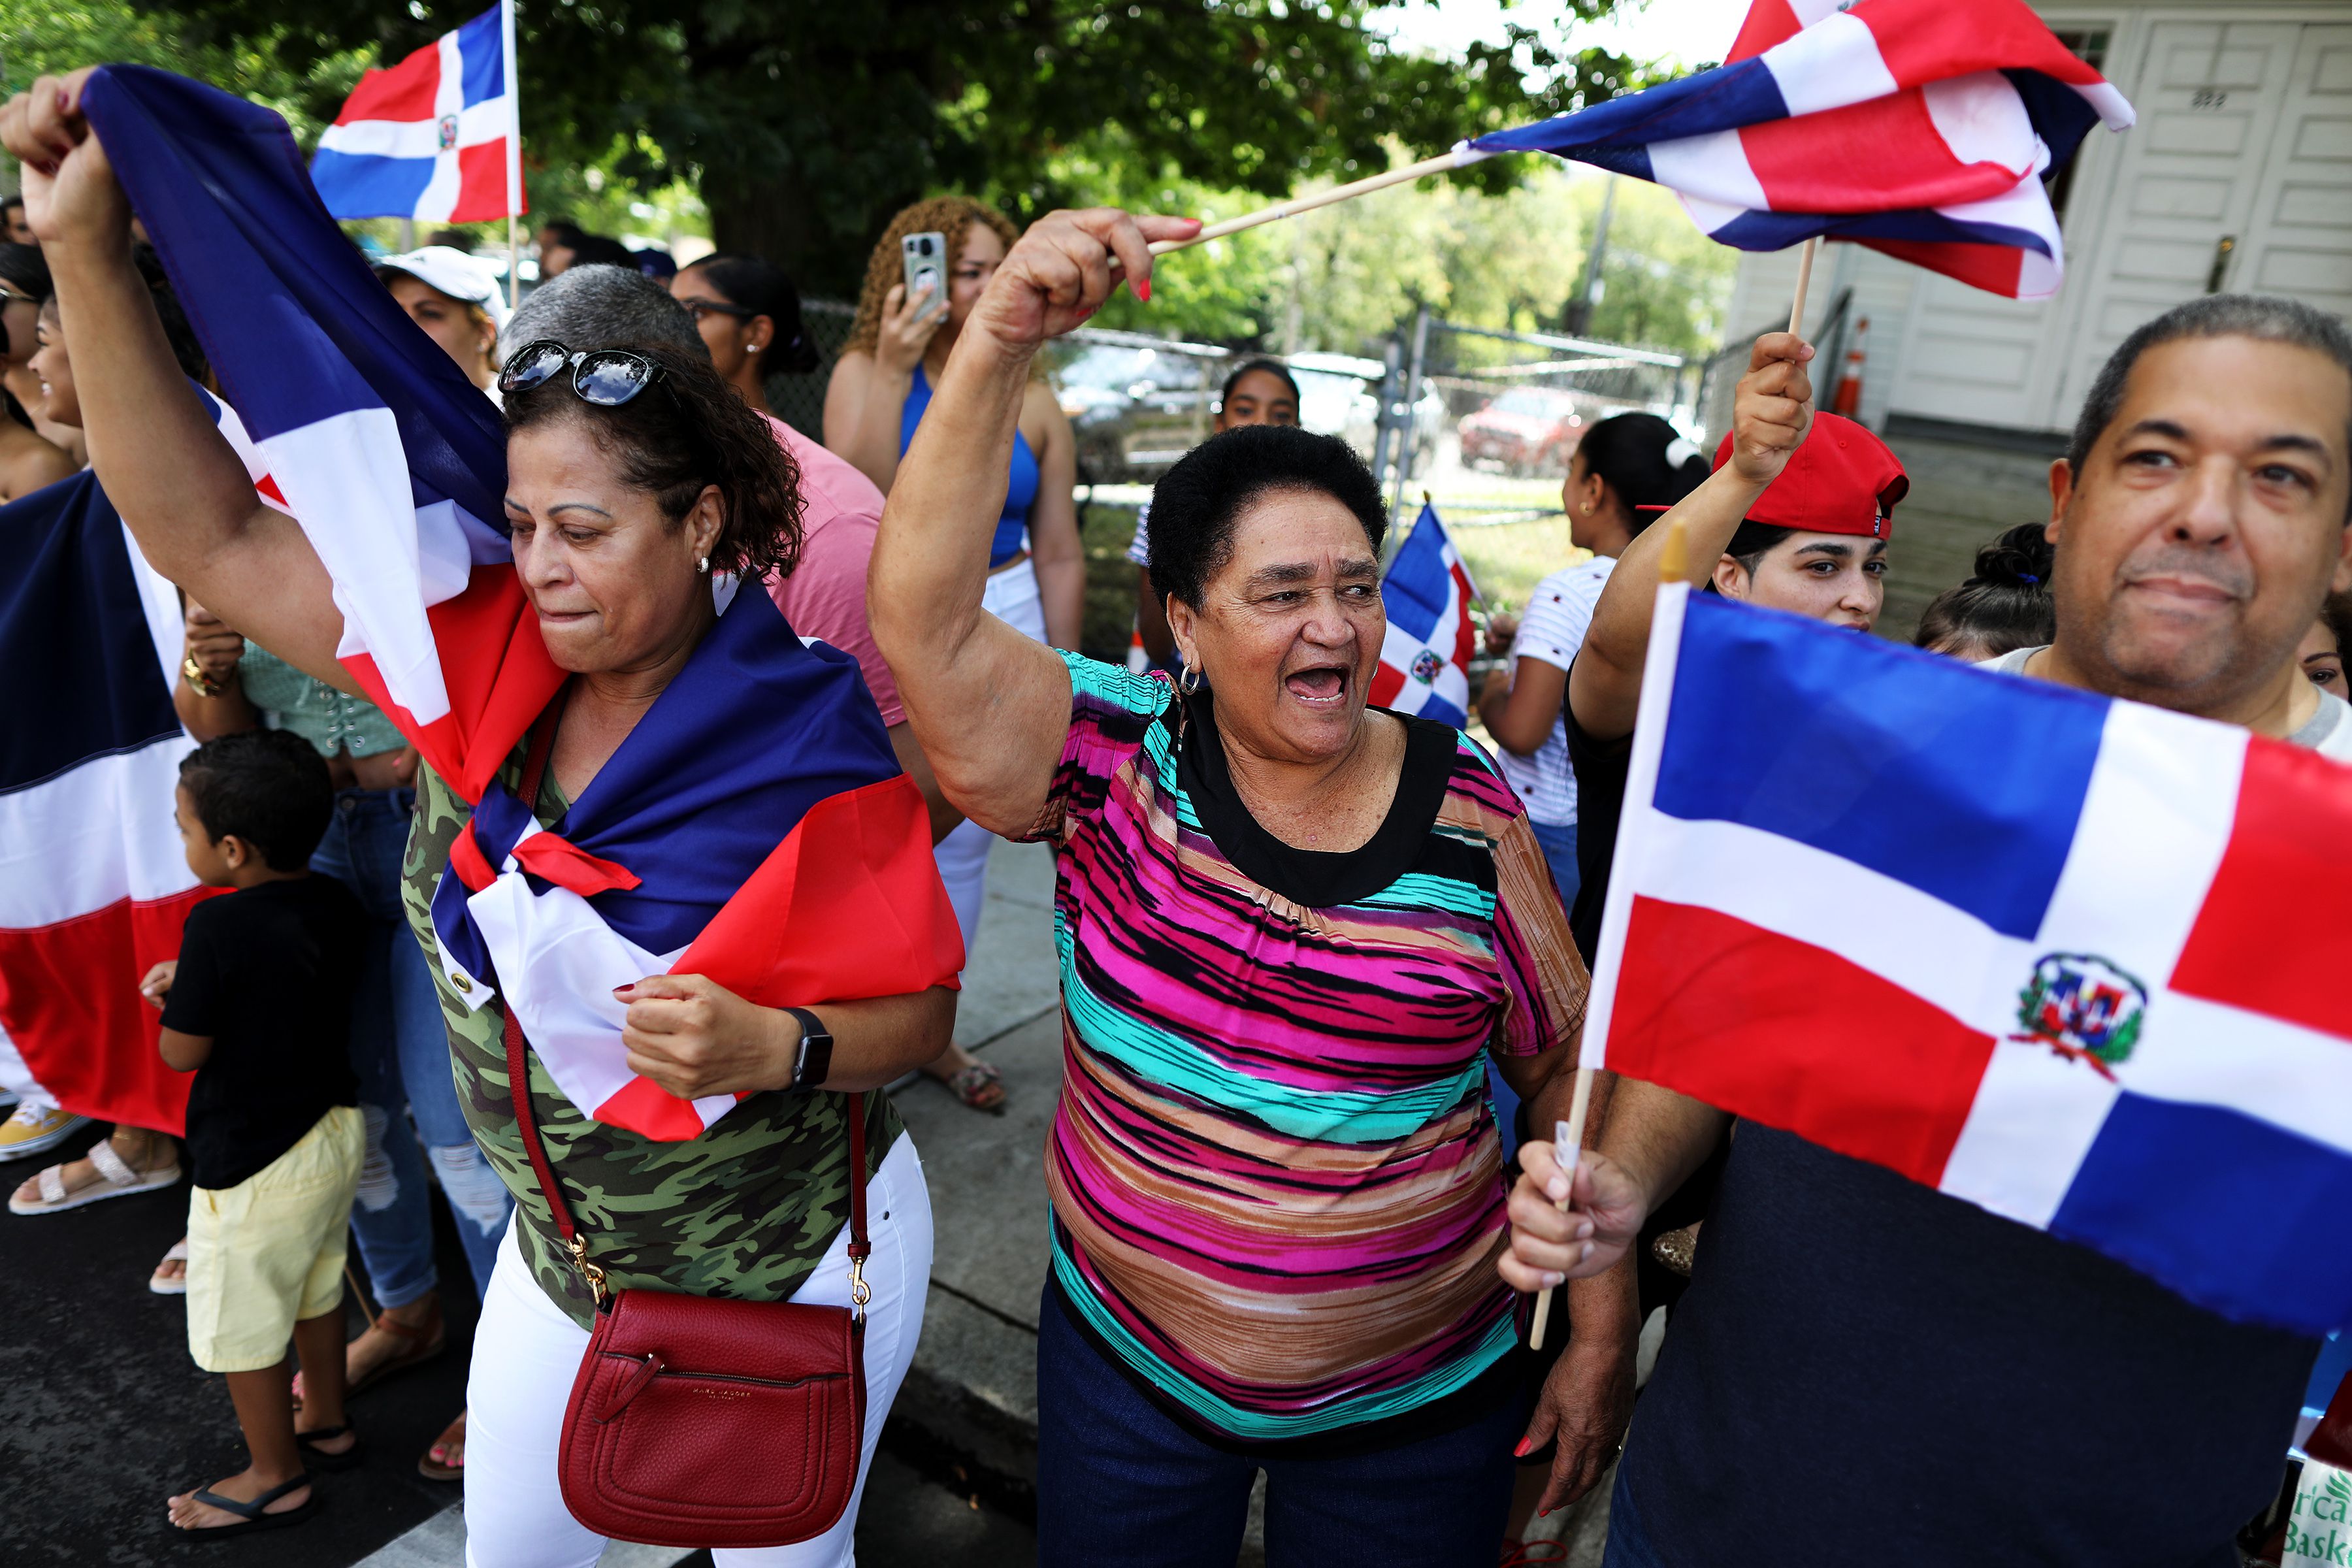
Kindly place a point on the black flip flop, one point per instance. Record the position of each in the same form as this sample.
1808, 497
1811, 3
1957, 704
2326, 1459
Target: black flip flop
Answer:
320, 1458
252, 1513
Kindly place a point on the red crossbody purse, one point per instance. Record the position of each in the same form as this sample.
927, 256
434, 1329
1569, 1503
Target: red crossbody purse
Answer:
696, 1421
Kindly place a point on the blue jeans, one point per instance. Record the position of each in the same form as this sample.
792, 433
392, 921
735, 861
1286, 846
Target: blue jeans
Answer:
1120, 1482
1560, 854
1629, 1543
400, 1052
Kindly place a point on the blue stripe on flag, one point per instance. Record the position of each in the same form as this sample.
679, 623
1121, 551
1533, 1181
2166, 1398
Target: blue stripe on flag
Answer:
1963, 785
2237, 1214
2062, 117
1755, 230
480, 46
1418, 584
358, 182
1741, 93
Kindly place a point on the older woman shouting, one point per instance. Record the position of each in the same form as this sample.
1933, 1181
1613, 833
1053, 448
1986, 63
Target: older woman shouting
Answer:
632, 477
1288, 927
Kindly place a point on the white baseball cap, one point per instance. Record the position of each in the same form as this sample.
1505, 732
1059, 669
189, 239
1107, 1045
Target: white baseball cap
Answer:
453, 272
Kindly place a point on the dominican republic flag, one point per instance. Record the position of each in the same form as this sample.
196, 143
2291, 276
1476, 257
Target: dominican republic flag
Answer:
435, 138
754, 827
2076, 961
1425, 659
93, 882
1920, 128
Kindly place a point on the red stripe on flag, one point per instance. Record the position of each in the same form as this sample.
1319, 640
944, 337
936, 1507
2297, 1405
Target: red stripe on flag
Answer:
497, 674
1387, 682
850, 905
1791, 1034
555, 858
1465, 634
406, 91
1885, 155
1932, 40
1769, 22
1995, 269
467, 861
645, 1107
70, 998
2278, 918
482, 183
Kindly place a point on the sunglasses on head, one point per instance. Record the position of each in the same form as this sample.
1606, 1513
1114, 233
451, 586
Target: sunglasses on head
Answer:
606, 377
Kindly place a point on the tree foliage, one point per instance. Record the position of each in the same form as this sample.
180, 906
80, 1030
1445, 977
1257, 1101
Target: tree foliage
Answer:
805, 125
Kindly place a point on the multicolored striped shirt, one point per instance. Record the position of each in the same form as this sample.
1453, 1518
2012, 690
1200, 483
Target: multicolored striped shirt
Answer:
1277, 1193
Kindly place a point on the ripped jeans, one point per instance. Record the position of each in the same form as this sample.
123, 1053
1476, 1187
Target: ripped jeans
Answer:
399, 1051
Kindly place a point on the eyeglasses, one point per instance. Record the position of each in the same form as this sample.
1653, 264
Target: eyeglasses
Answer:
606, 377
13, 296
719, 307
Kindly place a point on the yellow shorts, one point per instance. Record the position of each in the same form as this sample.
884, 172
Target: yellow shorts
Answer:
268, 1252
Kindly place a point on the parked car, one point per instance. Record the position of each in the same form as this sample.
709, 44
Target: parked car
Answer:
1528, 430
1339, 394
1136, 410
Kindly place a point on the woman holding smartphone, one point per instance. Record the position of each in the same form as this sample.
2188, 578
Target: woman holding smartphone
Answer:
880, 388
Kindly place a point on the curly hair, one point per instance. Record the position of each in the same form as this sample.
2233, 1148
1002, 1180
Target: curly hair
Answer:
950, 216
688, 431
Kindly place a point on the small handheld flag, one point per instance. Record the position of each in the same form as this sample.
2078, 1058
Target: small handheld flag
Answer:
436, 137
1426, 662
2043, 954
1919, 128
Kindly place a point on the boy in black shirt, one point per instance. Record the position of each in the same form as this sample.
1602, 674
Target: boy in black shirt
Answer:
258, 1006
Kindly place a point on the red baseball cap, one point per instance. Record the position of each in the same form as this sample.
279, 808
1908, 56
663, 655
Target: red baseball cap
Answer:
1841, 479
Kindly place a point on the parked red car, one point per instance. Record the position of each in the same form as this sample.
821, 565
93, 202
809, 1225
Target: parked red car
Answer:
1528, 430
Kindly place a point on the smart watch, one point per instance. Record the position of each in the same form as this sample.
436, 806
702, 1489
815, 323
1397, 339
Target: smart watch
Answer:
816, 1058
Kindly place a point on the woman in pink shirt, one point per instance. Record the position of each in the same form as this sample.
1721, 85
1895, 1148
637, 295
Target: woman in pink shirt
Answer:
749, 317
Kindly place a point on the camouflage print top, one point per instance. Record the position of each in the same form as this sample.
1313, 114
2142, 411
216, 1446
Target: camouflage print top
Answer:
745, 1211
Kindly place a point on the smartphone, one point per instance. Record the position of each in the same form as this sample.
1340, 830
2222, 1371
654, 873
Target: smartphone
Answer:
925, 259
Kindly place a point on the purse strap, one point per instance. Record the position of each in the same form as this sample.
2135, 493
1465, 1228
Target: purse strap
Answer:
534, 770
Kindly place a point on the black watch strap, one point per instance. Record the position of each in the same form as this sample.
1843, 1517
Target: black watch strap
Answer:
816, 1060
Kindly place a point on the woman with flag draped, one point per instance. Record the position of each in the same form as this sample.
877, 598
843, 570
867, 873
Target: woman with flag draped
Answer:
714, 921
1290, 927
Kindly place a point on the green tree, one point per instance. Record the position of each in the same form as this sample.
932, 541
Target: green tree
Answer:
805, 124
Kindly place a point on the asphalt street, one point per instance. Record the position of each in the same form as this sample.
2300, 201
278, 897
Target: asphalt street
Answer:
102, 1416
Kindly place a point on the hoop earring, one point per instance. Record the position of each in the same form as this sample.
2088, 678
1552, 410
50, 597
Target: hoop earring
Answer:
1189, 681
703, 566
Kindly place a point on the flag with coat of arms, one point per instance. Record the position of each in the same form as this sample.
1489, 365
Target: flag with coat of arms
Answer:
435, 138
1425, 660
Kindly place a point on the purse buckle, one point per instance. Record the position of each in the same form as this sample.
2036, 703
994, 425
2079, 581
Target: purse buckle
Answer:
589, 1272
860, 1293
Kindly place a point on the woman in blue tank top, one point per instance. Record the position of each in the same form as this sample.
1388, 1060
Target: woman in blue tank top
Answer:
880, 388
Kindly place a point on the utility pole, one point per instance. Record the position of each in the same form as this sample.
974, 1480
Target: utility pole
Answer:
1408, 406
1588, 291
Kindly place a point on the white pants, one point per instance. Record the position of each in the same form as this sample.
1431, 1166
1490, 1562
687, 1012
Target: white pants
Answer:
1011, 597
526, 1354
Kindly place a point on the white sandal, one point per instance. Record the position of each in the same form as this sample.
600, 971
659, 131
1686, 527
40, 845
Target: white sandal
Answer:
118, 1180
164, 1284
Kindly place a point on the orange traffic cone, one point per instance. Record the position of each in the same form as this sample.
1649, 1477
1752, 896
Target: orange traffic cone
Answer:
1848, 397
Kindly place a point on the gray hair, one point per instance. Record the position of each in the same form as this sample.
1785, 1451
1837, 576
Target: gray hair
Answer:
2263, 317
596, 306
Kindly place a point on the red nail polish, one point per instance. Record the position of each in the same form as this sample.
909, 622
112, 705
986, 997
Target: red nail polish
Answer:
1527, 1445
1143, 290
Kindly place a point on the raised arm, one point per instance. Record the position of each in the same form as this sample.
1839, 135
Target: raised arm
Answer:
1771, 412
180, 488
991, 708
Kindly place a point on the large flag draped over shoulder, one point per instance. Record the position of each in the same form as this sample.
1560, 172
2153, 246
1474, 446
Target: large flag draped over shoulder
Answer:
93, 882
1426, 659
2073, 960
754, 827
1921, 128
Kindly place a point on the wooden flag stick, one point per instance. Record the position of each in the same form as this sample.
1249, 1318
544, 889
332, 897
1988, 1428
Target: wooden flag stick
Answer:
1462, 157
1673, 563
1567, 1136
1804, 281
